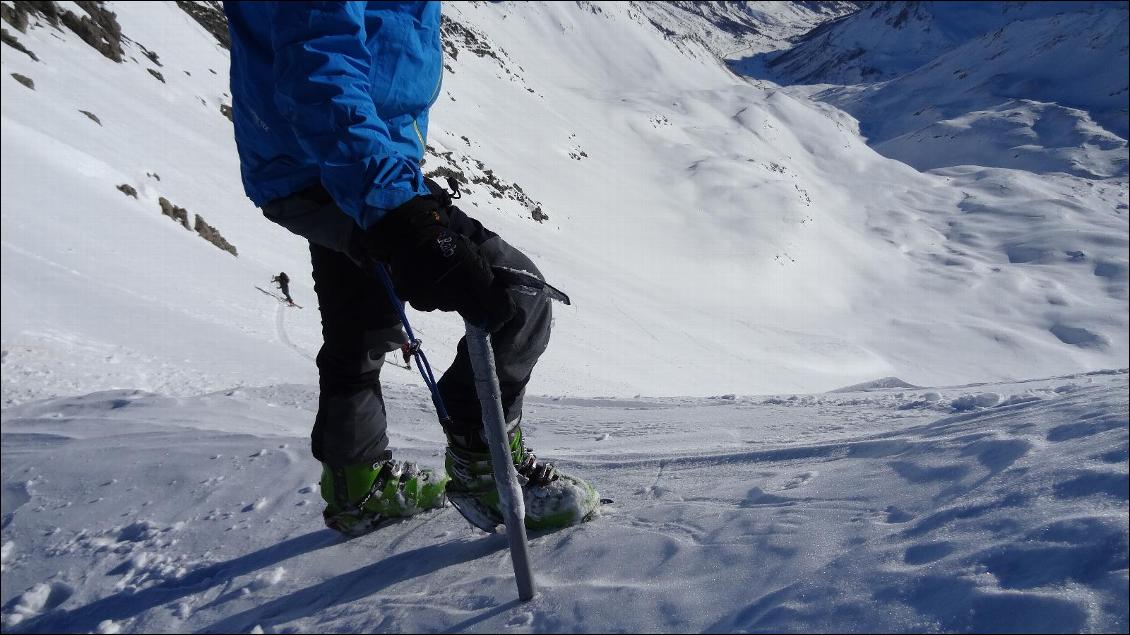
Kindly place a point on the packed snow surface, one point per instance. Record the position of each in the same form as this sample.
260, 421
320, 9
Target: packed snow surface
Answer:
998, 507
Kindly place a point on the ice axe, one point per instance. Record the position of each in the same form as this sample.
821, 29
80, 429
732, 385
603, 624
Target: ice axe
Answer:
505, 477
494, 419
494, 424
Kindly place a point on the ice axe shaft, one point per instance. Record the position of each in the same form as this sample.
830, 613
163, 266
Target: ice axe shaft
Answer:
526, 282
505, 477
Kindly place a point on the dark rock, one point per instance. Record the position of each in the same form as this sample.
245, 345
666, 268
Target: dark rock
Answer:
11, 41
443, 172
48, 10
127, 189
12, 14
23, 79
156, 74
93, 117
153, 175
212, 235
225, 110
495, 187
99, 28
456, 35
210, 15
152, 55
179, 214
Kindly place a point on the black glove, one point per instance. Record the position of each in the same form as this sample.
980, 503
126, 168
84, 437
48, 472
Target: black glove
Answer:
433, 267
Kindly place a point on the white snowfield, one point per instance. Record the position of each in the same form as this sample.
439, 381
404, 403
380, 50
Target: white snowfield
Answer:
721, 238
852, 512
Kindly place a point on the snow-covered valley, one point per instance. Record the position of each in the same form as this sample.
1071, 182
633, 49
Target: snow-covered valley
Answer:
734, 248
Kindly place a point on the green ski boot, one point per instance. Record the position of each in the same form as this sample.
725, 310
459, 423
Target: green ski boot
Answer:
360, 497
553, 498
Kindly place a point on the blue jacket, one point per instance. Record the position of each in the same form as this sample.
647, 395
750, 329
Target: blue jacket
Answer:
336, 93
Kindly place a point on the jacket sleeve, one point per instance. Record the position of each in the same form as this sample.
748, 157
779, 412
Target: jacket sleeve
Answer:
321, 75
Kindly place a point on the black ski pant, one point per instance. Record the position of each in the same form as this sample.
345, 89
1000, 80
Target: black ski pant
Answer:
359, 325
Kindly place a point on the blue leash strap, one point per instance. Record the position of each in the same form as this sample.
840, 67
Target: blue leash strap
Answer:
414, 344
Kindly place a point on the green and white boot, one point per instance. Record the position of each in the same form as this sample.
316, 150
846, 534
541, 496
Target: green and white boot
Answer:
553, 498
360, 497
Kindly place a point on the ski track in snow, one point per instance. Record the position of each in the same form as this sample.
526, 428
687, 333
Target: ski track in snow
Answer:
894, 509
284, 337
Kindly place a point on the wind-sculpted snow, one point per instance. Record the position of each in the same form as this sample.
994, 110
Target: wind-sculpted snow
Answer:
835, 512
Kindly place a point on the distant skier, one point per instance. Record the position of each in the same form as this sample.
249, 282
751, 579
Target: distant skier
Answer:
406, 352
330, 105
283, 281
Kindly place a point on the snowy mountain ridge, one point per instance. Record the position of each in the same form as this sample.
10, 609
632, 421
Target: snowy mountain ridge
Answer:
733, 28
1036, 86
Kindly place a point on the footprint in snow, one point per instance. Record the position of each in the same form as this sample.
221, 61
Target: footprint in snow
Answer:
927, 552
254, 507
523, 618
897, 516
799, 480
42, 597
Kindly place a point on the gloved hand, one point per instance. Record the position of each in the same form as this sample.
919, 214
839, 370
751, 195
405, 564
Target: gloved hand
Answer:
433, 267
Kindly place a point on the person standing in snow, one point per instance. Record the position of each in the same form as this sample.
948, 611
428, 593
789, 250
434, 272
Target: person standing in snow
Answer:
283, 281
330, 106
406, 353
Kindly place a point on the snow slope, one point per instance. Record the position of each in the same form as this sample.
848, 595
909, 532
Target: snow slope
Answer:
1065, 111
731, 29
1035, 86
715, 235
997, 508
720, 238
888, 39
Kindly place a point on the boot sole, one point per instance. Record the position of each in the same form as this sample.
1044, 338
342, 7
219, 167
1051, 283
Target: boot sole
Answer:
475, 512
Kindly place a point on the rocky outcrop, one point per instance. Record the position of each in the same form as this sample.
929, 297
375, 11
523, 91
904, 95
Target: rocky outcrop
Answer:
13, 42
127, 189
212, 235
99, 27
209, 15
175, 212
469, 171
199, 225
24, 79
